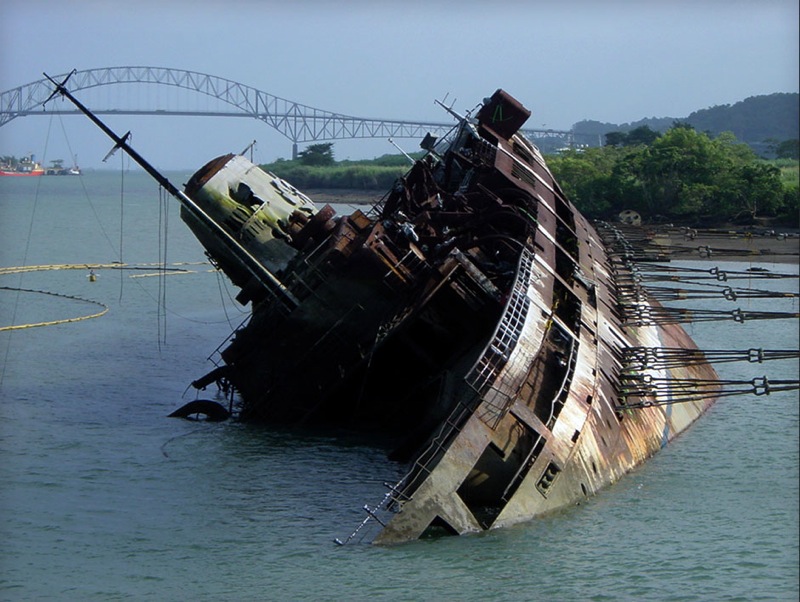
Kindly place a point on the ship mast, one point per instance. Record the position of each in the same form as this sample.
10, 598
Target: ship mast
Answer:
260, 273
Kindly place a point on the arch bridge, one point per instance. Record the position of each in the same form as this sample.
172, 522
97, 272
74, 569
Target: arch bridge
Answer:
298, 122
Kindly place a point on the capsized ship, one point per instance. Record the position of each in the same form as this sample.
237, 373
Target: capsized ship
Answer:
471, 318
471, 315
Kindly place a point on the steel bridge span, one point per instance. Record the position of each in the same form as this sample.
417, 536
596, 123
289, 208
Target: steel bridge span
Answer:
298, 122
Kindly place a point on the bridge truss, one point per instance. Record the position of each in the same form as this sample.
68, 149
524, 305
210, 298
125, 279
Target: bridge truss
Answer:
298, 122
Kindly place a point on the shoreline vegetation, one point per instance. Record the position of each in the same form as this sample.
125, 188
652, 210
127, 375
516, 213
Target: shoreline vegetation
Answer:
690, 192
680, 176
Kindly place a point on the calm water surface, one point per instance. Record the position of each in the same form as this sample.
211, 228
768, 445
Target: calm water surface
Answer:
104, 498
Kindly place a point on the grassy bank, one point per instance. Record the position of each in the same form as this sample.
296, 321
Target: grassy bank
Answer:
790, 171
603, 181
360, 177
370, 174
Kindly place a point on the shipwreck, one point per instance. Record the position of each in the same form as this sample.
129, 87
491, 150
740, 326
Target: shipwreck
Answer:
472, 317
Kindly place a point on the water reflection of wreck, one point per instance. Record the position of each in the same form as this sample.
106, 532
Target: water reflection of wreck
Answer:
472, 317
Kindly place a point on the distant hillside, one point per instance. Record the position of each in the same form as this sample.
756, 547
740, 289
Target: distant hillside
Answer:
758, 121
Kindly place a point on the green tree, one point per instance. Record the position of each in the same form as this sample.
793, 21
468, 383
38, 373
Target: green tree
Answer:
737, 152
788, 149
641, 135
680, 174
760, 190
789, 213
317, 154
580, 178
590, 180
616, 138
667, 168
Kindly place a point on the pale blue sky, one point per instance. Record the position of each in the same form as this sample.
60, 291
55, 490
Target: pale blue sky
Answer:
568, 60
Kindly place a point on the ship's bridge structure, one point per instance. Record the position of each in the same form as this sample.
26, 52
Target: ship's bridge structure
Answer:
164, 91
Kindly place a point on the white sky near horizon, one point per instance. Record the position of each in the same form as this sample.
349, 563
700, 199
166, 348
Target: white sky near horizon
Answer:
607, 60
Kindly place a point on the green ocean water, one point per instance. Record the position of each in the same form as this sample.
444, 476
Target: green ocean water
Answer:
104, 498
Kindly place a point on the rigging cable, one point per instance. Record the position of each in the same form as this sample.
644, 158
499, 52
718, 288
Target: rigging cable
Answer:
162, 262
643, 315
121, 217
222, 291
25, 253
668, 391
651, 358
94, 212
645, 271
703, 291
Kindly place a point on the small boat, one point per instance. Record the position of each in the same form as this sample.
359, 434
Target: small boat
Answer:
27, 166
58, 169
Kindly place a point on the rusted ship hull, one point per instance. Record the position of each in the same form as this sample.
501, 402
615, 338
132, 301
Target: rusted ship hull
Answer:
473, 317
488, 474
550, 427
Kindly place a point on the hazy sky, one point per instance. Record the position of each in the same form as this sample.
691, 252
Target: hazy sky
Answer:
568, 60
